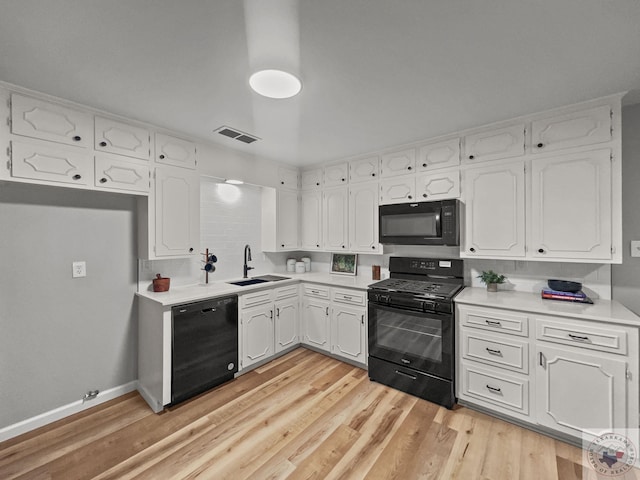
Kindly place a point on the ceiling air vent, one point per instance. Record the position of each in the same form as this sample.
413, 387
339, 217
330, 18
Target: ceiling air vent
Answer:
236, 134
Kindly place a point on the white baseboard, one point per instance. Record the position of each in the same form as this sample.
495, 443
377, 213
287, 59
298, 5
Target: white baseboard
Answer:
64, 411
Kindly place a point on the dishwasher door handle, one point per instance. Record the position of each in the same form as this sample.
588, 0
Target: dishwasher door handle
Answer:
207, 310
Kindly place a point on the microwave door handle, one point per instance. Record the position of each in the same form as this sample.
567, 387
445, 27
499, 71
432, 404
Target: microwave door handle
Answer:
439, 224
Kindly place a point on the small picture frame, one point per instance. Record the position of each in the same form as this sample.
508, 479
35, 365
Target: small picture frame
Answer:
344, 263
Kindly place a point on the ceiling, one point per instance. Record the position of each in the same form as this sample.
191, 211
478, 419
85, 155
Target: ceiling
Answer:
375, 73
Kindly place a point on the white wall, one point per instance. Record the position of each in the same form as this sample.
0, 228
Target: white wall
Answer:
61, 337
626, 277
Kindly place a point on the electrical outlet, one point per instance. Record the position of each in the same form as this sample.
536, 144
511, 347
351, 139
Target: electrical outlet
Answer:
79, 269
635, 248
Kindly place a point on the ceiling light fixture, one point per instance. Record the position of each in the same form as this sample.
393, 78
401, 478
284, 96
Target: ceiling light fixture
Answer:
275, 83
233, 181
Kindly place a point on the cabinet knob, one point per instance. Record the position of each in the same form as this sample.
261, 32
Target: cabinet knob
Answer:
540, 145
373, 247
77, 177
318, 184
424, 195
343, 179
373, 174
424, 165
281, 183
282, 245
471, 157
103, 144
472, 250
191, 250
77, 138
409, 197
103, 180
541, 250
409, 167
317, 246
342, 246
161, 157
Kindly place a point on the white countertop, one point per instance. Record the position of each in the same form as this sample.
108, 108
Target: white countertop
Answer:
196, 292
601, 310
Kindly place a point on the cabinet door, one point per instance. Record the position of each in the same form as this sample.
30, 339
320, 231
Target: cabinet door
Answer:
315, 318
494, 144
48, 121
118, 174
53, 163
438, 185
177, 202
439, 155
311, 220
335, 218
364, 169
571, 206
288, 177
363, 218
579, 391
397, 190
398, 163
311, 179
349, 333
175, 151
571, 130
287, 219
337, 174
121, 138
495, 211
286, 328
257, 334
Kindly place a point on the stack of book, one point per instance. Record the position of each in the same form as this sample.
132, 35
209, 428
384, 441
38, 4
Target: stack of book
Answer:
576, 297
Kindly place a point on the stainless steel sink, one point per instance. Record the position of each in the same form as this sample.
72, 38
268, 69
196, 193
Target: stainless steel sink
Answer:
250, 281
270, 278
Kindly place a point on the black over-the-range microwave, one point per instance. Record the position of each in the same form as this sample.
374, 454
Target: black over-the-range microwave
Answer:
423, 223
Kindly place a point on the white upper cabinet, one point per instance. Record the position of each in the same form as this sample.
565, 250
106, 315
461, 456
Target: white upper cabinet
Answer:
50, 162
288, 177
287, 230
311, 220
439, 155
35, 118
398, 190
575, 129
438, 185
117, 174
311, 179
121, 138
177, 212
494, 144
364, 169
335, 220
571, 206
175, 151
495, 211
337, 174
363, 218
398, 163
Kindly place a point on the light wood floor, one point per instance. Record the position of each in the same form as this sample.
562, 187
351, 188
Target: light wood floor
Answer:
302, 416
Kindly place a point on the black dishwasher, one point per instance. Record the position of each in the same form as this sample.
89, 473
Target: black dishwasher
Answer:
204, 350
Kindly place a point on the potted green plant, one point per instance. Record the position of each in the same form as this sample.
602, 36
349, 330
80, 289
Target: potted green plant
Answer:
491, 279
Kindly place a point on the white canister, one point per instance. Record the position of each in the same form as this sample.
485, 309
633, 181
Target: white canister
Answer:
300, 267
291, 264
307, 263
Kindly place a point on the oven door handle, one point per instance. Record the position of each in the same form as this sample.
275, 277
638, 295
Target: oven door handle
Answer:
412, 377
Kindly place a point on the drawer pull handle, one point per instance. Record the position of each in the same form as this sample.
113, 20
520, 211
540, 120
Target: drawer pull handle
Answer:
494, 389
346, 297
498, 353
362, 319
494, 323
406, 375
543, 361
327, 311
315, 291
579, 338
277, 312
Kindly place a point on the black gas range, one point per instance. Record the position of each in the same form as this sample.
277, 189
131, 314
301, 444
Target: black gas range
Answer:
411, 327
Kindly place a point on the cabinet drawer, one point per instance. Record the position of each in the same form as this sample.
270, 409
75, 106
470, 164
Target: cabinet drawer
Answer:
496, 350
352, 297
316, 291
256, 298
496, 388
495, 320
583, 334
286, 292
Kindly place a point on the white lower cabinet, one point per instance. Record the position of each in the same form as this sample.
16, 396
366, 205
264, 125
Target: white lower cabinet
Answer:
315, 315
257, 334
348, 332
558, 372
287, 324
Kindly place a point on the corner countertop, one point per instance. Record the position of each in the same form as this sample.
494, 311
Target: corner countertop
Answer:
197, 292
601, 310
